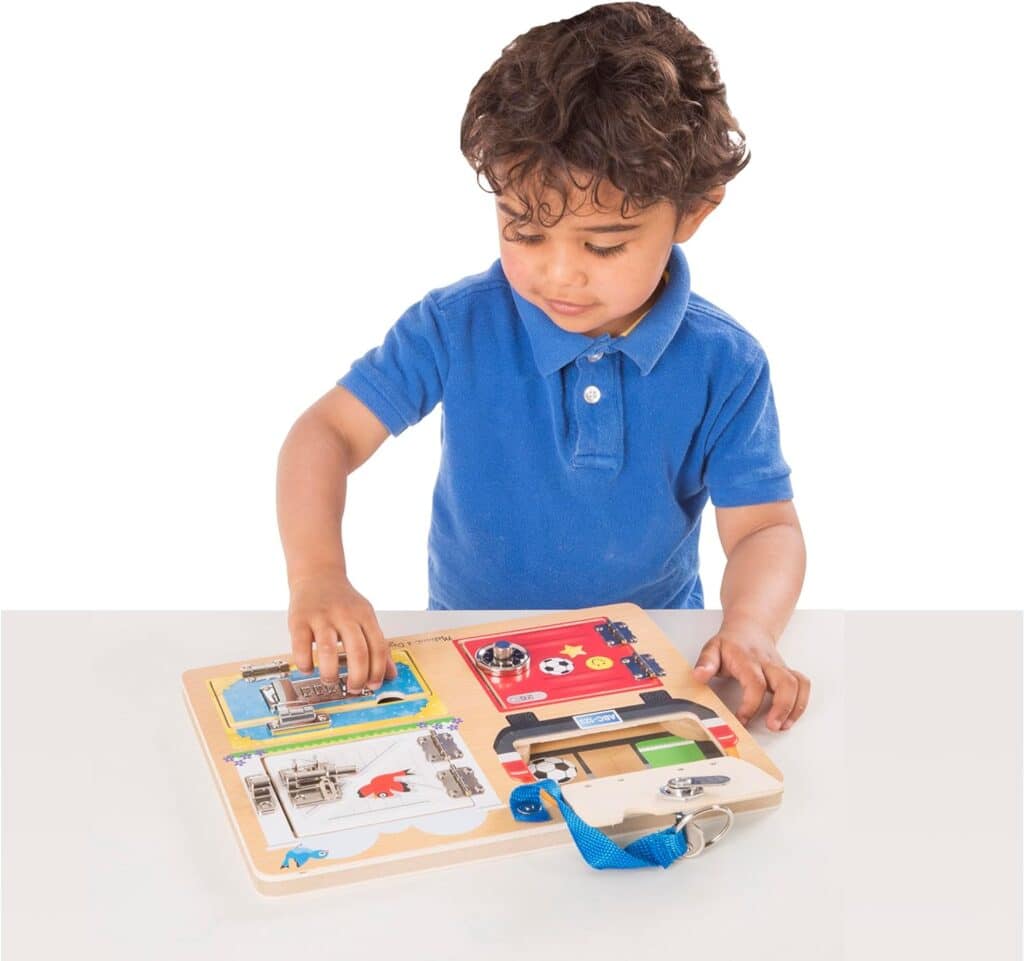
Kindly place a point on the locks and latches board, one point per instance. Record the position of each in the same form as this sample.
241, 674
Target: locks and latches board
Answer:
326, 785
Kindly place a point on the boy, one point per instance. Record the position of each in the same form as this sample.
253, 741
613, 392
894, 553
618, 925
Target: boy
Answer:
592, 401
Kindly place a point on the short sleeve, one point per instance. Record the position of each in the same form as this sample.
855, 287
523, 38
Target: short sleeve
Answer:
402, 380
743, 462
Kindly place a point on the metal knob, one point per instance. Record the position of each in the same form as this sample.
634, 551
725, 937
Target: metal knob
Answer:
682, 788
503, 659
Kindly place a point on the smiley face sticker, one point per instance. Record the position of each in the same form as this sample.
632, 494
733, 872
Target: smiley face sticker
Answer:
599, 663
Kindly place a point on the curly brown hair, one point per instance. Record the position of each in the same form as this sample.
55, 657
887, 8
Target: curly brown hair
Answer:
623, 92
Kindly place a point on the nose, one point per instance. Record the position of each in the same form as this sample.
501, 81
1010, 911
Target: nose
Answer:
564, 269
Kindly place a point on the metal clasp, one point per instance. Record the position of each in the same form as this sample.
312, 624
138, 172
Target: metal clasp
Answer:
687, 788
696, 840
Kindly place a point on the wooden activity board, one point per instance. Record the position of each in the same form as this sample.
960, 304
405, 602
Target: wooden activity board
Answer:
324, 785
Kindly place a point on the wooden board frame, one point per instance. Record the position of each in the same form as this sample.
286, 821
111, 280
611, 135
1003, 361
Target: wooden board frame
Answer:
396, 811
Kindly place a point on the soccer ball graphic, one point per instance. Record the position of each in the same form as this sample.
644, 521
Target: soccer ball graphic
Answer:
556, 665
556, 768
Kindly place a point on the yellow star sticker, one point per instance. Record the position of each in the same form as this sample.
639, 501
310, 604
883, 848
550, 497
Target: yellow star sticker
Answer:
573, 650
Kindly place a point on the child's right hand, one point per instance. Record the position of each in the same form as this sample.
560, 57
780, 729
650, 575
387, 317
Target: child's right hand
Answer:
326, 609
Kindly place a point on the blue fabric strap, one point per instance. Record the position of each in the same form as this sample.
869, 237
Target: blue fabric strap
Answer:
661, 848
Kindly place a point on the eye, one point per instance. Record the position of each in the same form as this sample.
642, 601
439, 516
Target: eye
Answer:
531, 239
608, 251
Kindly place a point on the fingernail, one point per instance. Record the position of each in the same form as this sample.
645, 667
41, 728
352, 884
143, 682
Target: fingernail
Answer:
373, 685
787, 725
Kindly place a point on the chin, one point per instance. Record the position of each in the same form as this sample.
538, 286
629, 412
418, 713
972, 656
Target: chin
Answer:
580, 328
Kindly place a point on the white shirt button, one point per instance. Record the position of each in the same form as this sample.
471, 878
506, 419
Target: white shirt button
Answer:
594, 358
591, 395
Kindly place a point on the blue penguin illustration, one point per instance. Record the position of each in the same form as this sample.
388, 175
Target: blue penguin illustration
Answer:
300, 854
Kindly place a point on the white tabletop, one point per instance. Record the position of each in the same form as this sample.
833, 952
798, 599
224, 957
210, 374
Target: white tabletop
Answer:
899, 832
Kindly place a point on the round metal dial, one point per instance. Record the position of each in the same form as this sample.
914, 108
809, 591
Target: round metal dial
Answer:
503, 659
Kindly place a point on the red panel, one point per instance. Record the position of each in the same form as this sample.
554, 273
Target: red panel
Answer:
535, 688
724, 734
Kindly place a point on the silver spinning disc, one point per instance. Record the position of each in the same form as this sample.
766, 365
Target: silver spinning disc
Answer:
503, 659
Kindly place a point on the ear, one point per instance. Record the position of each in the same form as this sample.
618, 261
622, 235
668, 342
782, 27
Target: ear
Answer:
689, 224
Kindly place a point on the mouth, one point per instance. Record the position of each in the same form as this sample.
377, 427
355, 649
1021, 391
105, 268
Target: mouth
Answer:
566, 307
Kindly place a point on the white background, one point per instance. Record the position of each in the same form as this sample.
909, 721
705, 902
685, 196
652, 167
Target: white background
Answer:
210, 209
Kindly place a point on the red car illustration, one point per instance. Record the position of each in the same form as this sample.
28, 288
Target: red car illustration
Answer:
385, 785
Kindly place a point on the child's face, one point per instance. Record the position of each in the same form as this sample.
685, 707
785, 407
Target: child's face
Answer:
566, 263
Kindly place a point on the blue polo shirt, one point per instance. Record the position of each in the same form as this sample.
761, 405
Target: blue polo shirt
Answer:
574, 470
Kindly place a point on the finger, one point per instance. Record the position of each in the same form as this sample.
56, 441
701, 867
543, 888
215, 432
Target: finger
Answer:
302, 648
378, 652
356, 656
390, 671
709, 662
326, 650
802, 698
751, 677
785, 688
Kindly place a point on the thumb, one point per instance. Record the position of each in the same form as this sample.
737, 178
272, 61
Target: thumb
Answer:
709, 662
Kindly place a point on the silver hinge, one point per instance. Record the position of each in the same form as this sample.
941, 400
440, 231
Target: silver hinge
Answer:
439, 746
459, 781
615, 633
643, 666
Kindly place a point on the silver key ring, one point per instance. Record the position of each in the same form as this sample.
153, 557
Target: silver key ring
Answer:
696, 841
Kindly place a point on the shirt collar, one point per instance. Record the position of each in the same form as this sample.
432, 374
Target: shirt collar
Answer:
553, 347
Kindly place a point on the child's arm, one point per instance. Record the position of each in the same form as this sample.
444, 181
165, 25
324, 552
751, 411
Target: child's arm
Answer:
762, 580
327, 443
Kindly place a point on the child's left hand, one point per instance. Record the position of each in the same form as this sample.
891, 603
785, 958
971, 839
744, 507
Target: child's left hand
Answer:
749, 654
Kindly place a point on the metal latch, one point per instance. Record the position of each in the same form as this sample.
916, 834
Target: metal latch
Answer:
299, 718
684, 788
261, 793
313, 782
259, 672
306, 691
439, 746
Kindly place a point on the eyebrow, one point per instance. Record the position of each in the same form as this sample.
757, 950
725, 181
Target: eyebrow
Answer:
599, 229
